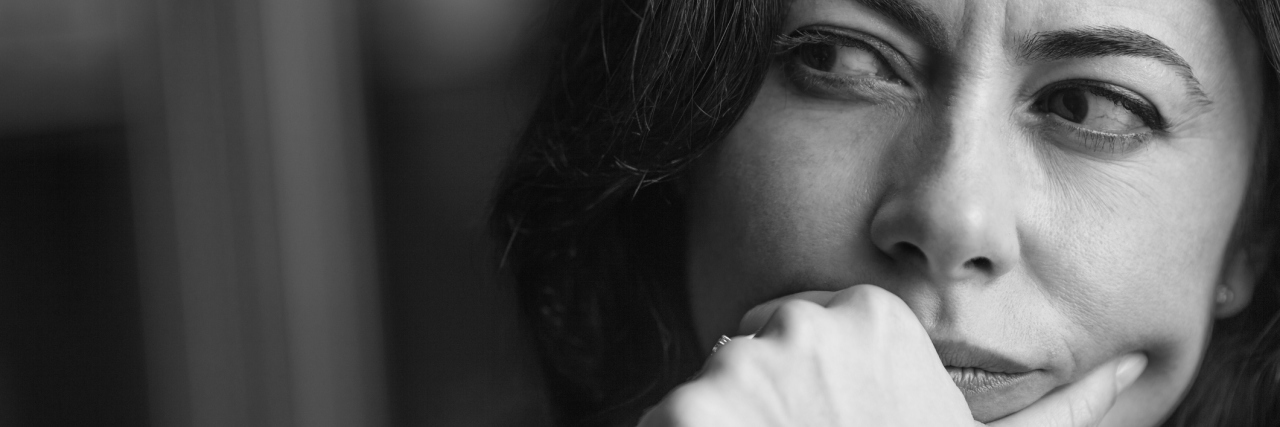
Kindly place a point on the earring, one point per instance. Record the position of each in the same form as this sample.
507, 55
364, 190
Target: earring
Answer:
1224, 295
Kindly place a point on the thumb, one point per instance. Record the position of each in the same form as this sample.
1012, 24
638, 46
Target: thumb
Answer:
1083, 403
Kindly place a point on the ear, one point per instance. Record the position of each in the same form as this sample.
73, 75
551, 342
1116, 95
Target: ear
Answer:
1245, 266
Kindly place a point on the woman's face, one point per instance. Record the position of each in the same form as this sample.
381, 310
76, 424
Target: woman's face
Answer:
1054, 182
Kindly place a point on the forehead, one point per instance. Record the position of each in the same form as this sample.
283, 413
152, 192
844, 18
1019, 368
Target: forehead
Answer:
1194, 29
1212, 45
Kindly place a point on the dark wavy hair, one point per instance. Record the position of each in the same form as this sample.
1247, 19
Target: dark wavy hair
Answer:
590, 216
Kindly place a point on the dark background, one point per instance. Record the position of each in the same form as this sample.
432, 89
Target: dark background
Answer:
90, 334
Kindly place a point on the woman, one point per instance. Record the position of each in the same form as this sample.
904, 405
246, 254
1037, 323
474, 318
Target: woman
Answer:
928, 212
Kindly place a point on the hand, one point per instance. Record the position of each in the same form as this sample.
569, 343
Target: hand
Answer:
1083, 403
857, 357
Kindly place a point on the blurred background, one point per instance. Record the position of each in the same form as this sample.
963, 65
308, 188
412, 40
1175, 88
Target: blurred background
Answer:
261, 212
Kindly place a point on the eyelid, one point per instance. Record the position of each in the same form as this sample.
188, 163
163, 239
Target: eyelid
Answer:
1129, 100
829, 34
824, 85
1096, 143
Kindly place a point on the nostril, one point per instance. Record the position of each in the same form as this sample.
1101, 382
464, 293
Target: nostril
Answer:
979, 263
907, 251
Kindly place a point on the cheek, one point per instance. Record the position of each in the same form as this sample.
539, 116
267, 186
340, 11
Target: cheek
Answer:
1125, 286
1129, 257
779, 199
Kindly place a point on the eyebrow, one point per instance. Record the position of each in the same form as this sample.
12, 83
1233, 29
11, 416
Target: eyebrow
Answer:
1092, 42
914, 18
1088, 42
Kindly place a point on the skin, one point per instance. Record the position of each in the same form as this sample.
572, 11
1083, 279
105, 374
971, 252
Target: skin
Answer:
995, 224
809, 365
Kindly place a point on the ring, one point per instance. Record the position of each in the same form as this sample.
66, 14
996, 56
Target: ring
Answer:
724, 339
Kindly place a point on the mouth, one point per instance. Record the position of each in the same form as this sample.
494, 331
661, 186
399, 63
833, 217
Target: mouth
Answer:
994, 383
973, 380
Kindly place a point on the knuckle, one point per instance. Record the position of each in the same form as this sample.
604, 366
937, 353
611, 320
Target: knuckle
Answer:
883, 299
796, 318
797, 311
865, 291
879, 315
729, 355
868, 296
875, 302
734, 360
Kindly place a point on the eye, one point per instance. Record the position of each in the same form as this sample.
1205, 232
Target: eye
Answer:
1103, 117
838, 63
844, 60
1078, 105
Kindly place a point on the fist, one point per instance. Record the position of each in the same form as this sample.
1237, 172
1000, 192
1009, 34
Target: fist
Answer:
857, 357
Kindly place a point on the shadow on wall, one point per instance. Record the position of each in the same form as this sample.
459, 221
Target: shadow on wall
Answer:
71, 349
149, 274
70, 342
452, 83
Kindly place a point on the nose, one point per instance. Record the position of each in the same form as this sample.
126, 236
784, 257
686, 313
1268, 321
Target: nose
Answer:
951, 214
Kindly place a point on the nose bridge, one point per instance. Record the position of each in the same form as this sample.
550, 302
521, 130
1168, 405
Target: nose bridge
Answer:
952, 213
972, 155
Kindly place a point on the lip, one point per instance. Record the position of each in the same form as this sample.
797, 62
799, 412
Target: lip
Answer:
994, 384
962, 354
976, 380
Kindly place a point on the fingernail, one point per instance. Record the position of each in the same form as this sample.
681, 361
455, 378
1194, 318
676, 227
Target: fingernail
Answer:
1128, 370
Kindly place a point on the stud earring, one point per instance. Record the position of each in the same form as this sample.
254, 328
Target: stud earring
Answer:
1223, 295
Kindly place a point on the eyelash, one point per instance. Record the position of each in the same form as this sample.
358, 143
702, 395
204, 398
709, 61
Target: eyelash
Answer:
1106, 142
786, 43
1123, 97
823, 84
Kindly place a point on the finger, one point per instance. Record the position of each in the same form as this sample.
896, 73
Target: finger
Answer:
758, 316
1083, 403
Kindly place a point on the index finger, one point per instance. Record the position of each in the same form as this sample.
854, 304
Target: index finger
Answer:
758, 316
